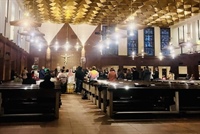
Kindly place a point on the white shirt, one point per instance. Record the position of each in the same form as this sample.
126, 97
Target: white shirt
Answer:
71, 78
62, 77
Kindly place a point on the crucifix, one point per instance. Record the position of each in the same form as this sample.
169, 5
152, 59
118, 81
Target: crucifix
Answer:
65, 57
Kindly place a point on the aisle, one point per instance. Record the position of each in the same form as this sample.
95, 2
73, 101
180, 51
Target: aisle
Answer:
79, 116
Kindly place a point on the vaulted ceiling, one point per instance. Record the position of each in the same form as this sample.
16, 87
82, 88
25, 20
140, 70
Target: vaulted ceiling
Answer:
161, 13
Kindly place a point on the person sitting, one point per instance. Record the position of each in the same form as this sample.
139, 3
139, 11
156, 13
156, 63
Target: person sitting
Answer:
192, 77
29, 79
47, 84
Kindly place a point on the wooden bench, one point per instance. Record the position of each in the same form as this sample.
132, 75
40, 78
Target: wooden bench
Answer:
155, 97
29, 100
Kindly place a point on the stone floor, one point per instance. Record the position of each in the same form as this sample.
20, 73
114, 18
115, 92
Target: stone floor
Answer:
79, 116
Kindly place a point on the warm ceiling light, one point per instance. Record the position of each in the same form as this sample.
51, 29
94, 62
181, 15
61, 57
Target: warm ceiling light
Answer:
25, 22
160, 56
77, 46
26, 14
67, 46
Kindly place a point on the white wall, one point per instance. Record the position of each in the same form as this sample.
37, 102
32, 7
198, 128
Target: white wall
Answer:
129, 67
122, 46
191, 27
182, 69
140, 40
157, 40
11, 31
2, 15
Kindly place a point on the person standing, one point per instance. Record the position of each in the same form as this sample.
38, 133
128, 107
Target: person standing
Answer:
192, 77
170, 75
156, 74
42, 73
79, 76
24, 73
62, 77
120, 74
151, 74
70, 81
112, 75
93, 74
146, 74
29, 79
129, 74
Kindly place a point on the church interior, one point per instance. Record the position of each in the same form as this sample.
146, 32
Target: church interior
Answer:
117, 34
99, 33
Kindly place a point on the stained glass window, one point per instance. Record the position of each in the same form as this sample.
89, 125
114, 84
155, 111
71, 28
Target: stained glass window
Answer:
132, 42
110, 46
164, 40
149, 41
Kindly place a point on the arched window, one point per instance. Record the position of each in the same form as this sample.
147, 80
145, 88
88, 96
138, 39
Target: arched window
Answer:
132, 42
164, 40
110, 47
149, 41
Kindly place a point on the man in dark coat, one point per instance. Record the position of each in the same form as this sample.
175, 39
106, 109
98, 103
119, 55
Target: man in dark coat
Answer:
79, 76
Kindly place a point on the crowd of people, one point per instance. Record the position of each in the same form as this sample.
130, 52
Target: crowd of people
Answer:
75, 77
145, 74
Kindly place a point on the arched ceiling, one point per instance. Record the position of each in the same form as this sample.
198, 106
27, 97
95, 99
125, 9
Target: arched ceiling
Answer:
161, 13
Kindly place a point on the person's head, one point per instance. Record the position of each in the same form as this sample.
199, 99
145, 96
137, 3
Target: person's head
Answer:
29, 75
93, 68
70, 71
62, 70
79, 68
112, 69
47, 78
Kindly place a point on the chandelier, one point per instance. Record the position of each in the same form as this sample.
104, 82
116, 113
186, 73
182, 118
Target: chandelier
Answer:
67, 45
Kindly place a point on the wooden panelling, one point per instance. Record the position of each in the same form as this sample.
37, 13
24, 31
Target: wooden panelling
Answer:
12, 57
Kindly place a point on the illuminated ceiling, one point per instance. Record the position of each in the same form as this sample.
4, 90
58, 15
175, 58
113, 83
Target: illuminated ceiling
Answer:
161, 13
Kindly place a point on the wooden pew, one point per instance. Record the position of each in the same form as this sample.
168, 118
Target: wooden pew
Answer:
29, 100
155, 97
